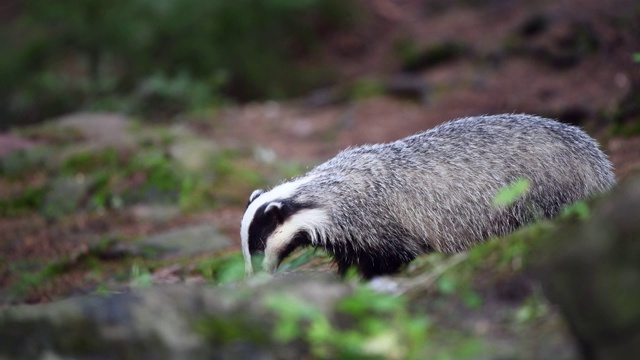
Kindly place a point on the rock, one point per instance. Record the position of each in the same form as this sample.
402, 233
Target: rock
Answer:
324, 97
155, 212
22, 158
11, 143
99, 129
193, 154
410, 87
65, 195
164, 322
592, 271
186, 241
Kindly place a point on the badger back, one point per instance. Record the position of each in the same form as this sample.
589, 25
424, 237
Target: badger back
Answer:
377, 207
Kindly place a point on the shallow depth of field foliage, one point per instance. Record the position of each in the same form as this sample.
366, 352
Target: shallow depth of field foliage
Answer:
163, 56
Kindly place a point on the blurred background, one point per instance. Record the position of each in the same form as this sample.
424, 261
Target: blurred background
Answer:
125, 121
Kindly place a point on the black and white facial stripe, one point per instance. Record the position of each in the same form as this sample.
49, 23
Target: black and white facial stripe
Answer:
267, 218
275, 224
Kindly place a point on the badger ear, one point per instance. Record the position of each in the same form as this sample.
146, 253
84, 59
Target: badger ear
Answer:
275, 209
255, 194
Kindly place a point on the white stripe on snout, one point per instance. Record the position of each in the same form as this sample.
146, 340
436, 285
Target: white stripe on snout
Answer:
311, 221
281, 191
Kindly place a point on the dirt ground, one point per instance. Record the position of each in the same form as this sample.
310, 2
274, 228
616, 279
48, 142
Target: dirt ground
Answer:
491, 78
570, 60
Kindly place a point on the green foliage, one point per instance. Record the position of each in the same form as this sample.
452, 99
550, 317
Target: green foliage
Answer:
228, 329
88, 161
578, 209
32, 274
300, 258
406, 49
291, 311
28, 200
87, 179
446, 284
160, 94
140, 276
466, 276
533, 308
29, 278
380, 326
450, 276
223, 269
511, 193
505, 255
18, 163
158, 56
366, 88
625, 129
116, 177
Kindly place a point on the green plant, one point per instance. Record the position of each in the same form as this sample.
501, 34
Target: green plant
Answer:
533, 308
223, 269
33, 274
88, 161
140, 276
406, 49
380, 326
366, 88
578, 209
300, 258
511, 193
30, 199
164, 96
163, 57
27, 278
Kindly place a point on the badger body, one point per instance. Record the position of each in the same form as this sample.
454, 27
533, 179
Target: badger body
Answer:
377, 207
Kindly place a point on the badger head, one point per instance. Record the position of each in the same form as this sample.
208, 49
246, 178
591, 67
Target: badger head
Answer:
277, 222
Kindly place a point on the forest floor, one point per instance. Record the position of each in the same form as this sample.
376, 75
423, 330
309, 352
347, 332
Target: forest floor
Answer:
570, 60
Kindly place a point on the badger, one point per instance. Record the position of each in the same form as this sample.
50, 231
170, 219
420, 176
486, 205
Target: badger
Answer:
377, 207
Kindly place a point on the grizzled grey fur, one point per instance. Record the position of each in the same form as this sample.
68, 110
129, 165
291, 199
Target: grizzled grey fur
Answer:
377, 207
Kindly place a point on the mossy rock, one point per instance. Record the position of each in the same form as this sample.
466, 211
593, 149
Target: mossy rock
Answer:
592, 270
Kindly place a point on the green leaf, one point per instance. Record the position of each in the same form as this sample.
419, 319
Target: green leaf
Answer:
140, 277
446, 285
472, 299
514, 191
232, 271
291, 311
579, 209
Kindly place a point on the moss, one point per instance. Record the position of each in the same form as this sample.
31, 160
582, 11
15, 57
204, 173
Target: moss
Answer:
44, 338
227, 329
29, 200
89, 161
366, 88
22, 162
